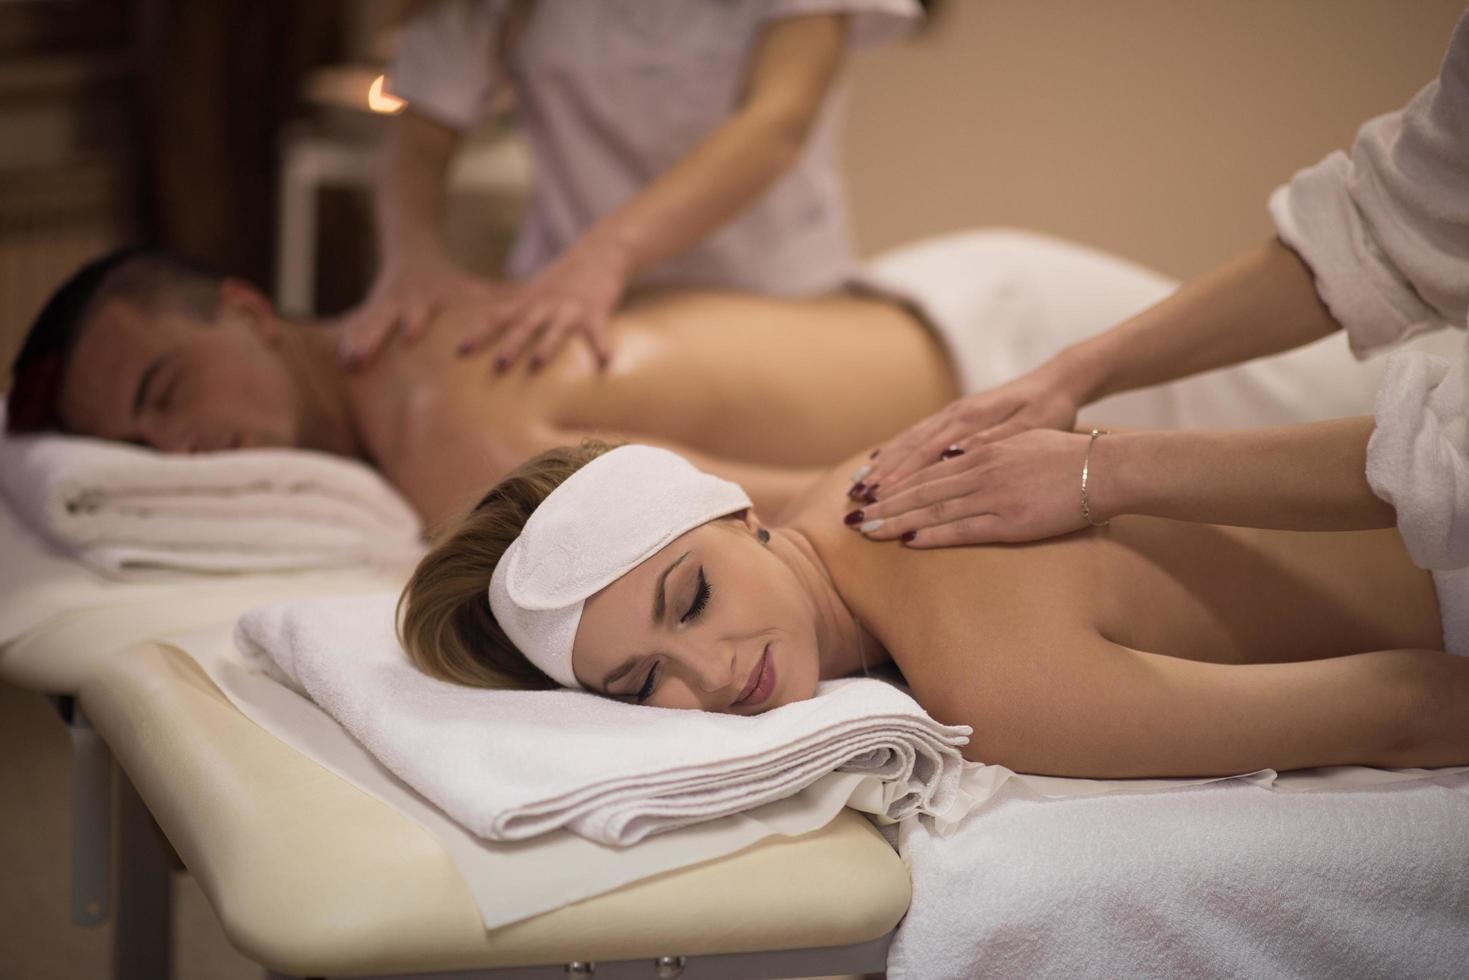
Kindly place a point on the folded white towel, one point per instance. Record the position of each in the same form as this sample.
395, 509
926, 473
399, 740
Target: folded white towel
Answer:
115, 506
510, 765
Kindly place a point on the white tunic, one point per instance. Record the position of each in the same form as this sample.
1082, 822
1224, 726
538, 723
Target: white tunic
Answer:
612, 93
1386, 234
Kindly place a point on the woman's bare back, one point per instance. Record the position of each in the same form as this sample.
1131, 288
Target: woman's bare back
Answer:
1109, 652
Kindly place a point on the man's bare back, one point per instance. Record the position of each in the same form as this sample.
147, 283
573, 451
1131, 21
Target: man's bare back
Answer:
769, 392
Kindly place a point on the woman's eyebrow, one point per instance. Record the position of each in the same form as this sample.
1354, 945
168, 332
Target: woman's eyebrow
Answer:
660, 600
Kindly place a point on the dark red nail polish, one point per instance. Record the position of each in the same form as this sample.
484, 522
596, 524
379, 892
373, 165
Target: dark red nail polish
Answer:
464, 348
535, 363
908, 536
855, 517
856, 490
501, 363
950, 453
870, 497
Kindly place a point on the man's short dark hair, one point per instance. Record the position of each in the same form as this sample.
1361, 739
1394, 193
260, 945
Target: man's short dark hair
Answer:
152, 278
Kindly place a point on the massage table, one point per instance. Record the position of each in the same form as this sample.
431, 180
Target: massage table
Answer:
309, 876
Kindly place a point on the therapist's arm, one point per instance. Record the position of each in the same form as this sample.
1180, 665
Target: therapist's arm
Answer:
1261, 303
416, 276
791, 69
1309, 477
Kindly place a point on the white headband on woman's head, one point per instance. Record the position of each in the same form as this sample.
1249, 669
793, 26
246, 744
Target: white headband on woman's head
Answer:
606, 519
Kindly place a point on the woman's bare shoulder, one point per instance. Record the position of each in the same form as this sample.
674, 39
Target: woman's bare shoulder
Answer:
942, 613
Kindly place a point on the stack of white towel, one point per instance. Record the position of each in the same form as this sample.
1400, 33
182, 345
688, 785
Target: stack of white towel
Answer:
117, 506
509, 765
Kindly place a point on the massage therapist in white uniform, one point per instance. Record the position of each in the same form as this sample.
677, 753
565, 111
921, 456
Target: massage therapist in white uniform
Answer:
674, 141
1375, 243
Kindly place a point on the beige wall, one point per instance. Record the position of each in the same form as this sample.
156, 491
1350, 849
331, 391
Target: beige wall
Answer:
1152, 128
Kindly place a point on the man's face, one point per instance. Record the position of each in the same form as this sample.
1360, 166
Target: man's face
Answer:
169, 381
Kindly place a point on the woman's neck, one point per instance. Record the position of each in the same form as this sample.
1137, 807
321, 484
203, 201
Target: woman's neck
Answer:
843, 644
309, 350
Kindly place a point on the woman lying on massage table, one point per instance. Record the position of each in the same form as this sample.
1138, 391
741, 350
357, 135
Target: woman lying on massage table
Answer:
1146, 648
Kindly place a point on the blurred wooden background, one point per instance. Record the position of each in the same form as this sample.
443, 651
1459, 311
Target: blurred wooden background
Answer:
1148, 127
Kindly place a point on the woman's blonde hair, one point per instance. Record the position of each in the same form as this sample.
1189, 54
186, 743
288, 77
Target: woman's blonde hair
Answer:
444, 617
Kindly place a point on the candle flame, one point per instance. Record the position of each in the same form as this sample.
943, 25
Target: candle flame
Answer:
380, 101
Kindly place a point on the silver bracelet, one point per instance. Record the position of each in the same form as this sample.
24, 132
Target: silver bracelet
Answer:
1086, 507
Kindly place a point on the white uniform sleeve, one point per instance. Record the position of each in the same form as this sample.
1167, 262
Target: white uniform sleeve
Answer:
445, 66
1386, 229
1418, 456
870, 22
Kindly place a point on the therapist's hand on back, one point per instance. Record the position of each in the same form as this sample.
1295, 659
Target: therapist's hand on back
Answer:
1021, 487
1031, 401
574, 294
993, 466
408, 294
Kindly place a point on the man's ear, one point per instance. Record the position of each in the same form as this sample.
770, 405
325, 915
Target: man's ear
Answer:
239, 298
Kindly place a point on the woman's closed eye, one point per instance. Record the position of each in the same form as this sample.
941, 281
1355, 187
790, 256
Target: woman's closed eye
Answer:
701, 598
646, 691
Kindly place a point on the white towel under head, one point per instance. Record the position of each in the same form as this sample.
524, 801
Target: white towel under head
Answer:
509, 765
602, 522
117, 506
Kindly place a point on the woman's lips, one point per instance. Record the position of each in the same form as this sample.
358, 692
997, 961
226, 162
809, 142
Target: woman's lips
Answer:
761, 683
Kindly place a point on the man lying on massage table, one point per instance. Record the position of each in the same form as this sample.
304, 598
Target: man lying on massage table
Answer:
144, 347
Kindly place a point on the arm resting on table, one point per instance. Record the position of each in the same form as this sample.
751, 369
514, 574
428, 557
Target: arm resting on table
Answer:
1092, 708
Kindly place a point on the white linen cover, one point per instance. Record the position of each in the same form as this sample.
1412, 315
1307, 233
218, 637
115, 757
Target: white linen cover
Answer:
38, 582
1003, 301
117, 506
511, 881
511, 765
1223, 880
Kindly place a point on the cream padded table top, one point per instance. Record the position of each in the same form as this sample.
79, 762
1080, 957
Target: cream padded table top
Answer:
309, 875
57, 655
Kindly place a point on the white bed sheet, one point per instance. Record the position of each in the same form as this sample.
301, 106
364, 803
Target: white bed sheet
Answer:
57, 615
1225, 879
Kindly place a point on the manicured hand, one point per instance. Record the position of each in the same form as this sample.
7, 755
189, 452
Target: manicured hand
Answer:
574, 294
1029, 402
404, 300
1020, 488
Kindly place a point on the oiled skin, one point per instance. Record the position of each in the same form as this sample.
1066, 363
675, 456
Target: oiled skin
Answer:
766, 391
